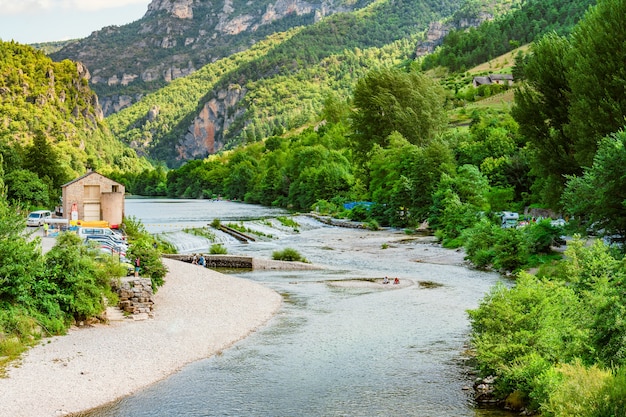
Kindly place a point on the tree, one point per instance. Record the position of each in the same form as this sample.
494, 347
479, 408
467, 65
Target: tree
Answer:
541, 109
20, 257
597, 77
25, 187
599, 196
390, 100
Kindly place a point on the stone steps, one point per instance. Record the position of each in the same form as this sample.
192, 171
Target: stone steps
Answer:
115, 314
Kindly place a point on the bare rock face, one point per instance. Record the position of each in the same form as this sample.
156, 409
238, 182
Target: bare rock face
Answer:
182, 9
202, 136
437, 31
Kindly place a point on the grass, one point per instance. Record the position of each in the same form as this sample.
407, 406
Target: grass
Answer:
288, 254
201, 231
218, 249
288, 222
11, 348
243, 229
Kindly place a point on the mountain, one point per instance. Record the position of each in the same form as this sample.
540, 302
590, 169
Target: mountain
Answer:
278, 84
177, 37
271, 84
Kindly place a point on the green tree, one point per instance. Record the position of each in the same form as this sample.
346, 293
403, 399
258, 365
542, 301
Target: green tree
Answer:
599, 195
389, 100
541, 108
597, 77
25, 187
81, 285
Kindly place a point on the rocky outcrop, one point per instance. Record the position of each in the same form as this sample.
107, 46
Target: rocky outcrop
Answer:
202, 137
437, 31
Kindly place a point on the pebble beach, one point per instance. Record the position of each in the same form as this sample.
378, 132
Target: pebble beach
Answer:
198, 313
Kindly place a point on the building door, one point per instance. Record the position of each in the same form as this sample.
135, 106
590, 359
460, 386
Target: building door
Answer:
92, 211
91, 207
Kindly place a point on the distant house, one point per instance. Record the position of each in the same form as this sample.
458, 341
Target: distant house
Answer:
502, 79
93, 197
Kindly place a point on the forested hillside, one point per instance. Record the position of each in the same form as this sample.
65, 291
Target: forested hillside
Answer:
176, 38
280, 89
51, 126
527, 22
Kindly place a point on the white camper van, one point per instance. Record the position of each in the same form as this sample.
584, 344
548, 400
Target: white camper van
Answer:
509, 219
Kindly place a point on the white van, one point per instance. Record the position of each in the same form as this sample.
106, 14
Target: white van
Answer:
38, 218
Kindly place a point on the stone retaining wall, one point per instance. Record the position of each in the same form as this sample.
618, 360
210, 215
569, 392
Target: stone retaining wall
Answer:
217, 261
135, 296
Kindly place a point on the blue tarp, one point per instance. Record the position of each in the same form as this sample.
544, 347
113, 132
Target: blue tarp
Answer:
353, 204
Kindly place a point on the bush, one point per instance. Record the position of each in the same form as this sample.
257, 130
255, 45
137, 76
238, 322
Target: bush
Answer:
573, 390
519, 333
216, 224
81, 284
324, 207
542, 235
359, 213
288, 254
372, 224
218, 249
150, 260
611, 399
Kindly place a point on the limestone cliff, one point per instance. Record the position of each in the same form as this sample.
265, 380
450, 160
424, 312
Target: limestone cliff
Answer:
204, 135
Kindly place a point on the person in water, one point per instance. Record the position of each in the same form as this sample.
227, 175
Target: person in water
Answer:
396, 281
386, 280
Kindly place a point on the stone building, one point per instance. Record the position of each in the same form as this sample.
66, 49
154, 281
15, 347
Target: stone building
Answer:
502, 79
93, 197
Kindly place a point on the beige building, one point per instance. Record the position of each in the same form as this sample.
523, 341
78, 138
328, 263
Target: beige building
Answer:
93, 197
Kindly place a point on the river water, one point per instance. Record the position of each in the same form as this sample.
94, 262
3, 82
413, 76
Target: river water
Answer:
340, 345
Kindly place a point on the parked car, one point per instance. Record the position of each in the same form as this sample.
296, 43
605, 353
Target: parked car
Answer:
104, 231
111, 239
37, 218
107, 243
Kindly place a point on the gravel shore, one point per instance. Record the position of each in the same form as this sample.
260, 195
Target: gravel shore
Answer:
198, 313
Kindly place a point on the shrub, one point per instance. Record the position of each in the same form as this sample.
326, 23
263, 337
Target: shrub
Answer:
81, 284
324, 207
573, 390
519, 332
611, 400
359, 213
288, 254
372, 225
218, 249
150, 260
542, 235
216, 223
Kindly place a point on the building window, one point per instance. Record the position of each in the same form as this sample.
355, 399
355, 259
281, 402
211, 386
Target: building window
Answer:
92, 193
115, 188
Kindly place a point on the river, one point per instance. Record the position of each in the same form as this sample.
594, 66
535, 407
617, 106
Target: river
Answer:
341, 345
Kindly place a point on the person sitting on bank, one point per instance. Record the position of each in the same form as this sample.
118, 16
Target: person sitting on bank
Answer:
194, 260
201, 260
386, 280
